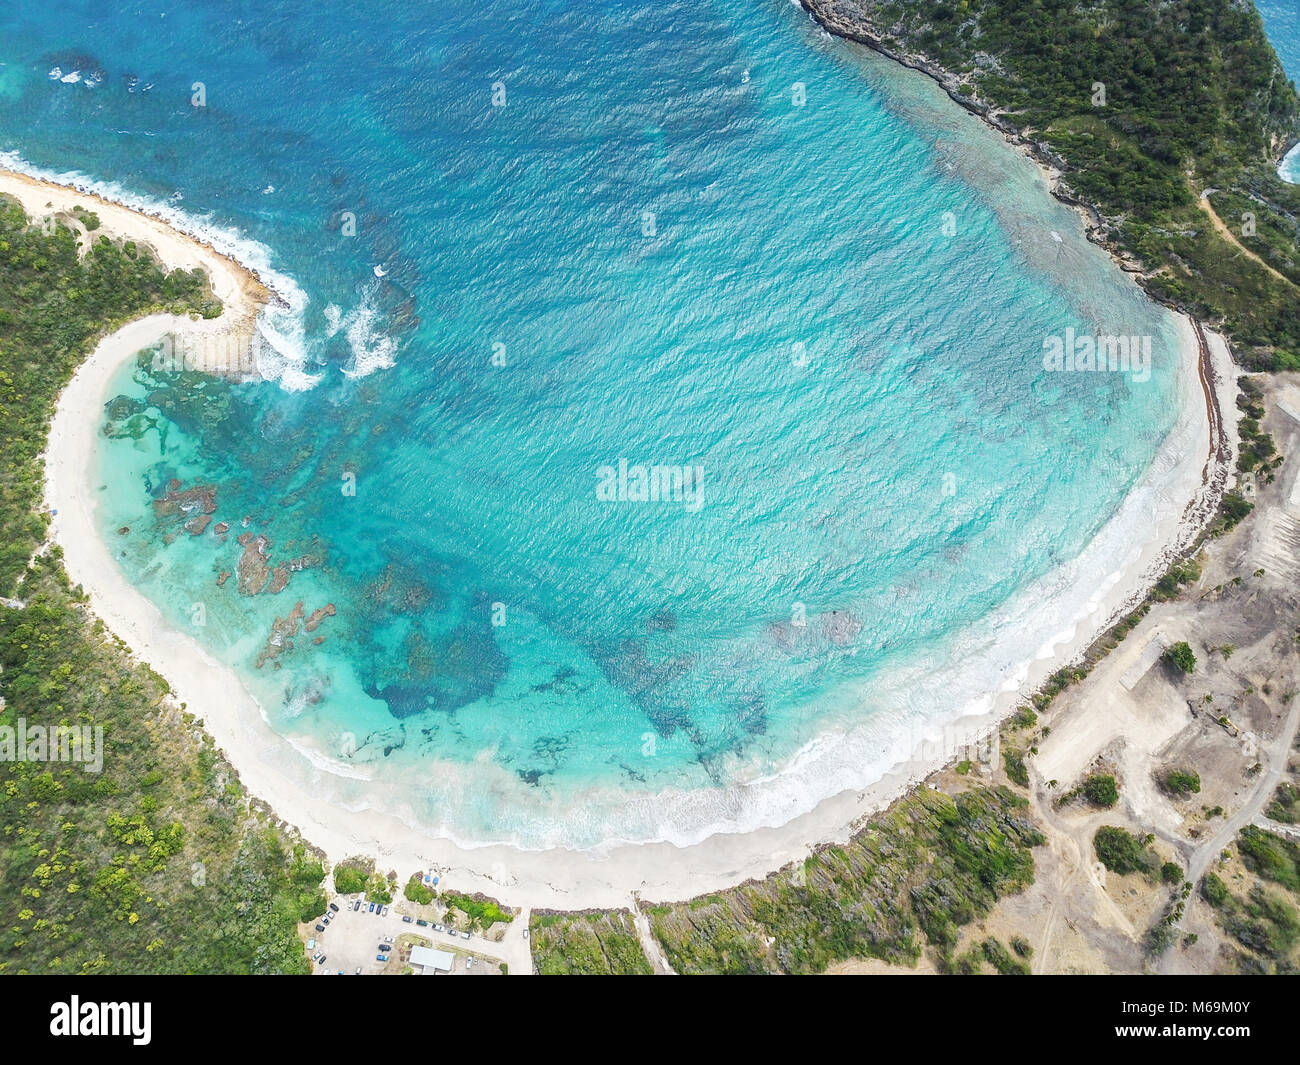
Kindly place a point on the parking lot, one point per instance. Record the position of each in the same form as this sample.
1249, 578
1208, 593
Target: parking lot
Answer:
352, 940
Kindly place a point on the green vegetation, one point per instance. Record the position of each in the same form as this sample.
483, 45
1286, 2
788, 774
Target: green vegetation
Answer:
417, 891
1233, 508
1171, 873
53, 306
1182, 782
1057, 683
1000, 958
1023, 718
1171, 584
1100, 790
1181, 657
1271, 857
1263, 923
1122, 852
379, 888
481, 911
1258, 451
1147, 104
1161, 935
592, 943
1285, 806
160, 862
1017, 771
350, 879
992, 952
915, 874
1215, 891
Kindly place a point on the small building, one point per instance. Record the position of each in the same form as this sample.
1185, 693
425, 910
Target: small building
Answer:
432, 961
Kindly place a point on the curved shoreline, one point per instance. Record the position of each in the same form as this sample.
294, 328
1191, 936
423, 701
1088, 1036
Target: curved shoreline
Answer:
557, 877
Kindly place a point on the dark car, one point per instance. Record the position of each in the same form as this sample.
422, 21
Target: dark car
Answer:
320, 928
422, 922
322, 960
372, 907
407, 920
356, 905
334, 908
385, 947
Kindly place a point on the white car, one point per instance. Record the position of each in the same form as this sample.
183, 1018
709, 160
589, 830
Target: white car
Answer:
464, 935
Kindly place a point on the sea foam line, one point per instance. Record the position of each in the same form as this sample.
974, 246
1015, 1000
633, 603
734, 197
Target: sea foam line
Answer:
282, 352
281, 346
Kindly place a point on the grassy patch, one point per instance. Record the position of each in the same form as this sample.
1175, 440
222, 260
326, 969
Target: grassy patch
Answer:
482, 911
1182, 782
1122, 852
913, 876
593, 943
417, 891
1285, 806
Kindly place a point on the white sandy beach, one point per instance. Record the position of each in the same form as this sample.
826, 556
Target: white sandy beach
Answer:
1171, 505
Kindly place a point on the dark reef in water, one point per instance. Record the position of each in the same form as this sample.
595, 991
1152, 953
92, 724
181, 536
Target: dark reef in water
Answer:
561, 682
649, 684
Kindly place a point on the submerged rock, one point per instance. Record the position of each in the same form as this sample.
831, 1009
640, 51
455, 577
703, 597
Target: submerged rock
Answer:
281, 639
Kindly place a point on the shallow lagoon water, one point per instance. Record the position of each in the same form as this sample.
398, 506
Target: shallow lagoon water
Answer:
701, 236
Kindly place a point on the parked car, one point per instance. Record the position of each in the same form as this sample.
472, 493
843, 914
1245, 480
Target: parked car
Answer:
384, 948
406, 919
372, 907
385, 913
320, 928
439, 928
358, 970
322, 960
525, 933
423, 923
464, 935
317, 956
381, 957
356, 905
388, 939
334, 907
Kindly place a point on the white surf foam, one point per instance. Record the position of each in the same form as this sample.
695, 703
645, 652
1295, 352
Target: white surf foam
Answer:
280, 345
1289, 170
372, 349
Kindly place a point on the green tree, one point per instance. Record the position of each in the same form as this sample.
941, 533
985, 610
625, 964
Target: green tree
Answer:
1181, 657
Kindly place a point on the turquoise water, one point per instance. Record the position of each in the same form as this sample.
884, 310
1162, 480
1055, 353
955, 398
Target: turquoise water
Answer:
1282, 21
698, 235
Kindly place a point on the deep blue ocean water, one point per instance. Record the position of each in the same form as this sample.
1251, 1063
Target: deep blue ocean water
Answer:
698, 235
